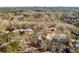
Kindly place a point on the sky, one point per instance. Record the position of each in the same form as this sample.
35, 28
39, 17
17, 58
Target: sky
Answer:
46, 3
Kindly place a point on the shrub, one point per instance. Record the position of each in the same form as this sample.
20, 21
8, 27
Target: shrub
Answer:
12, 47
6, 37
